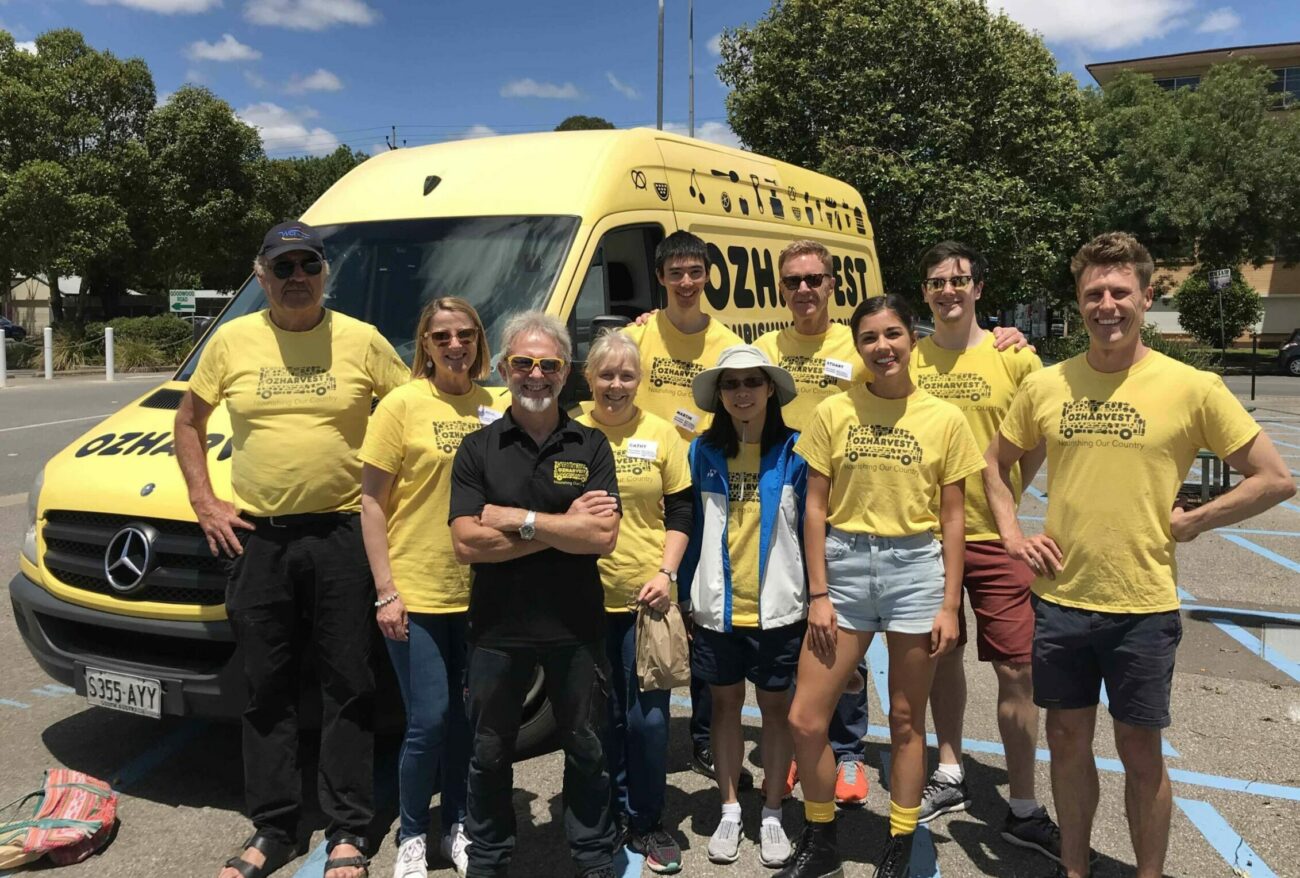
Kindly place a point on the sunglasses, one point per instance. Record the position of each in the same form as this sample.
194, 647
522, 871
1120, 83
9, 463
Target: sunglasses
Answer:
753, 382
442, 337
936, 284
792, 281
283, 268
548, 365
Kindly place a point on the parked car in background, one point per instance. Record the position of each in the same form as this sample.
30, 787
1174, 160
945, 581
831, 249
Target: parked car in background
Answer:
1288, 355
12, 331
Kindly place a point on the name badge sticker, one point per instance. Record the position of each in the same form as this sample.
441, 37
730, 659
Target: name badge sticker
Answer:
838, 369
642, 449
686, 420
487, 416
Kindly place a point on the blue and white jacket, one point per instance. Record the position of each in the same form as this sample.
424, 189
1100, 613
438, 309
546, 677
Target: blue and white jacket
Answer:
705, 572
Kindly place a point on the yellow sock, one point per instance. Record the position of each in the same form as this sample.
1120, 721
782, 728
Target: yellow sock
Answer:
824, 812
902, 821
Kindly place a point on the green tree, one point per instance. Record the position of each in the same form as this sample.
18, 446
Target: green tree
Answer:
287, 187
1199, 309
952, 122
584, 123
1210, 175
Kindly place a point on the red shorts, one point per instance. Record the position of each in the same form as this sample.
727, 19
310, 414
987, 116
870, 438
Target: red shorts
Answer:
998, 589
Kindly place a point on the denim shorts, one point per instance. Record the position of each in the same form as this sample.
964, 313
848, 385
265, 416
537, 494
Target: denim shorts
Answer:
884, 583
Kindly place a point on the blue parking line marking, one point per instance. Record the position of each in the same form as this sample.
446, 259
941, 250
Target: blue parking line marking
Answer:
1267, 653
1165, 747
1037, 494
1284, 444
314, 865
628, 862
1258, 533
1275, 615
53, 690
925, 862
1280, 560
1224, 839
9, 702
1291, 506
163, 749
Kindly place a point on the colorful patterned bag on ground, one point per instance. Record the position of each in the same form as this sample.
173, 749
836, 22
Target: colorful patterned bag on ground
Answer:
69, 819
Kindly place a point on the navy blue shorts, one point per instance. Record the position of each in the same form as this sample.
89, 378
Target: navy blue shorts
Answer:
1133, 653
767, 658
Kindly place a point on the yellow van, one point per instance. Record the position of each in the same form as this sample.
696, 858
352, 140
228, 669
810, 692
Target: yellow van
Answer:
117, 594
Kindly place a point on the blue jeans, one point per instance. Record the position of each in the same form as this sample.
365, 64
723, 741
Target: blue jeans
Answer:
636, 741
430, 668
849, 725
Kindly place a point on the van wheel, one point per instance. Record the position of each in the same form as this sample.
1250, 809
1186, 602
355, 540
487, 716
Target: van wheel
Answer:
537, 726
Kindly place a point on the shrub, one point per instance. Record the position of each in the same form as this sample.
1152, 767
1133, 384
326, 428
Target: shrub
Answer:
134, 353
1198, 309
1077, 342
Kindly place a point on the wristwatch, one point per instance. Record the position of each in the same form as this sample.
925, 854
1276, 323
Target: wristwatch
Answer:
528, 529
671, 574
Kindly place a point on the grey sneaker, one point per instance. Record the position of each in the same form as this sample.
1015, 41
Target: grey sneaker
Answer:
773, 845
941, 796
724, 846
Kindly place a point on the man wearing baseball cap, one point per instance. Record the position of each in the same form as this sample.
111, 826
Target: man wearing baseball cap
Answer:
297, 380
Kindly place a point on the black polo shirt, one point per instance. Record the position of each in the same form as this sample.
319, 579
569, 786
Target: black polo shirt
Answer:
548, 598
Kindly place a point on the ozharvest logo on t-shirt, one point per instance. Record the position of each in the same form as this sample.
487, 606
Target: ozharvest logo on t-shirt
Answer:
566, 472
630, 465
294, 381
447, 435
665, 371
955, 386
1086, 417
809, 373
878, 442
742, 488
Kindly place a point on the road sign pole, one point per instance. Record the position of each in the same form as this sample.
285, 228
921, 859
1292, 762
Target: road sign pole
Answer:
49, 353
109, 370
4, 365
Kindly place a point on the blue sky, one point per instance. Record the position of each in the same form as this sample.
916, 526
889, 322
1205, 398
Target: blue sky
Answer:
315, 73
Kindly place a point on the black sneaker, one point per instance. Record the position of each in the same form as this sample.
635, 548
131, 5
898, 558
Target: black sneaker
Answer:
599, 872
662, 855
816, 854
1037, 832
942, 796
702, 763
897, 859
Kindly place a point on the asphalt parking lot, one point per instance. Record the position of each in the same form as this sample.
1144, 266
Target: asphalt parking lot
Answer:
1231, 750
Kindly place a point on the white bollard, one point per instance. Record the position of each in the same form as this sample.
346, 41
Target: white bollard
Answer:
49, 353
4, 364
108, 353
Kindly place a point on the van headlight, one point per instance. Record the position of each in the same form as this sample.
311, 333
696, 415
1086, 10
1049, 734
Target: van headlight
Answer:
33, 503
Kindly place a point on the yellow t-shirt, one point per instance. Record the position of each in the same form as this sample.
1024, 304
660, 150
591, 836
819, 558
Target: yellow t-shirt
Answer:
670, 360
814, 361
1118, 446
981, 381
298, 403
887, 459
744, 521
650, 462
414, 434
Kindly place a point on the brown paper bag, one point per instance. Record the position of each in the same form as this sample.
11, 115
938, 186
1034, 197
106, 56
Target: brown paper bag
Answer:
663, 658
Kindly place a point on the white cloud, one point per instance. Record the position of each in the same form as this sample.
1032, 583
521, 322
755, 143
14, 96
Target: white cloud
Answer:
715, 45
254, 79
165, 7
531, 88
476, 131
1098, 24
226, 49
194, 77
621, 87
283, 131
1220, 20
28, 46
378, 148
321, 80
309, 14
714, 132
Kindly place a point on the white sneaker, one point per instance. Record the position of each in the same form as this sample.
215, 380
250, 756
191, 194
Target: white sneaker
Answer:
773, 844
724, 846
455, 847
411, 859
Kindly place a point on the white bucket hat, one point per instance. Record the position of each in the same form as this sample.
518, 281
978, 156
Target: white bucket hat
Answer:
742, 356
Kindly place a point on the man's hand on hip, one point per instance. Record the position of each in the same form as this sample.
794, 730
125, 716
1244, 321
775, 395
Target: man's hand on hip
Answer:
219, 520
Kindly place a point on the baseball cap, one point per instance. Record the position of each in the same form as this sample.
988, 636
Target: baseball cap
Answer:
290, 236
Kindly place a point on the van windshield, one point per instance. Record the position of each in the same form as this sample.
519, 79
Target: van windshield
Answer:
385, 272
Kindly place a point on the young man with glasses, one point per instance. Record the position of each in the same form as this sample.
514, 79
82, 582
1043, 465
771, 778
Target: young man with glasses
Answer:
961, 365
297, 380
534, 503
676, 344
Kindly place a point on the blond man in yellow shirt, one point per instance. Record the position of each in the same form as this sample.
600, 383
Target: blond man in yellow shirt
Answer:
1122, 424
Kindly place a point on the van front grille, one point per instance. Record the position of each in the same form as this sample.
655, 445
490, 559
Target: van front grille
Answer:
185, 572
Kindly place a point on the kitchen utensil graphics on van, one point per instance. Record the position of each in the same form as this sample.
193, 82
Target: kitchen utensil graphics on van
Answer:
696, 190
744, 205
758, 196
730, 175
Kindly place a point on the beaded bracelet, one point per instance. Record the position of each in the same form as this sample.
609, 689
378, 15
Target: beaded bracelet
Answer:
383, 602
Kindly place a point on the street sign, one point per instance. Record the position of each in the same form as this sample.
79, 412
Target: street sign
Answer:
1220, 278
182, 301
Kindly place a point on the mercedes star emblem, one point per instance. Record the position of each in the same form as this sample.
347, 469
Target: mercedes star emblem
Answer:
129, 558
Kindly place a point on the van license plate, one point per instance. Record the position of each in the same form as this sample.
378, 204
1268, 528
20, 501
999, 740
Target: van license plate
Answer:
138, 695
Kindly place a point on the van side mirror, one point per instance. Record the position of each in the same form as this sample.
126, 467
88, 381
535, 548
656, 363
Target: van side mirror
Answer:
608, 322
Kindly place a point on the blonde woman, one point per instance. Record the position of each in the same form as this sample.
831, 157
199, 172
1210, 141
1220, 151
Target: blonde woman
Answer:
423, 593
655, 486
